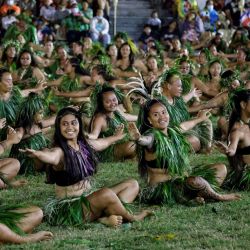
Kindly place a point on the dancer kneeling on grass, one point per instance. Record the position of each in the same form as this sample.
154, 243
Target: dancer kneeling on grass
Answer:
73, 162
164, 160
238, 148
17, 223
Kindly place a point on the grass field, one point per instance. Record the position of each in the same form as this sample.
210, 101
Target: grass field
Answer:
212, 226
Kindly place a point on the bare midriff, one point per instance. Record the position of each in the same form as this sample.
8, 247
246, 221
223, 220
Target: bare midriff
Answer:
76, 189
157, 175
246, 159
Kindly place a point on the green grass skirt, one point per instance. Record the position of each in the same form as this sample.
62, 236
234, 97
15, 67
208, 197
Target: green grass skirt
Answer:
67, 211
10, 217
239, 180
176, 190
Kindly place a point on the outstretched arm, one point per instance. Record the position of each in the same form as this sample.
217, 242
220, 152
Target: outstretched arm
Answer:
51, 156
74, 94
216, 102
194, 93
201, 116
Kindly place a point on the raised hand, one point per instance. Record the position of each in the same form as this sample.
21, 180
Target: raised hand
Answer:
133, 131
2, 123
13, 136
204, 114
119, 132
196, 93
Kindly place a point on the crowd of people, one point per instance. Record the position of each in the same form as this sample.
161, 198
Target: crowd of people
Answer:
72, 97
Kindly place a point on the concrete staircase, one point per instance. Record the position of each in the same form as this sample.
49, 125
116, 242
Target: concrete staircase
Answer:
131, 17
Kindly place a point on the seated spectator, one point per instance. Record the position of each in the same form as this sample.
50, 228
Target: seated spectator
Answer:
145, 36
233, 12
28, 6
103, 5
87, 15
9, 19
10, 5
99, 29
77, 24
239, 38
154, 21
50, 14
169, 31
209, 16
191, 28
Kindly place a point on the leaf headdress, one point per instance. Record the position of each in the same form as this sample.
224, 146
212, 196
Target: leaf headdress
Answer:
12, 43
228, 76
28, 108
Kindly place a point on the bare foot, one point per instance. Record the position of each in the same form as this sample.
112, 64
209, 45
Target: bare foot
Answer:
39, 236
197, 201
230, 197
143, 214
2, 184
18, 183
111, 221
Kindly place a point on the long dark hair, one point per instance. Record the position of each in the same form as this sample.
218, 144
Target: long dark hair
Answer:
143, 126
4, 56
102, 70
239, 96
32, 63
61, 141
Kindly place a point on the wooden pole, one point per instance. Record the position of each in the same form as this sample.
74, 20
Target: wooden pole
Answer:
115, 2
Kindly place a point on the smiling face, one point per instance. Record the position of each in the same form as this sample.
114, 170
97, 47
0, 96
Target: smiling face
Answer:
69, 127
158, 116
109, 101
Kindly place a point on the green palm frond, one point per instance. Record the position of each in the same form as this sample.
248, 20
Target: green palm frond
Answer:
10, 217
67, 211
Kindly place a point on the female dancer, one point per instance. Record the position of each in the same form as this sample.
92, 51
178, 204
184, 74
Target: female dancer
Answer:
105, 120
164, 159
27, 74
126, 64
73, 162
29, 126
239, 142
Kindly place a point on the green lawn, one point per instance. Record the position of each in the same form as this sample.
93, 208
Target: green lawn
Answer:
212, 226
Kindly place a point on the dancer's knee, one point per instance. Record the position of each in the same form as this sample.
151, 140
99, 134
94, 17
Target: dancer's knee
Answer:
133, 184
